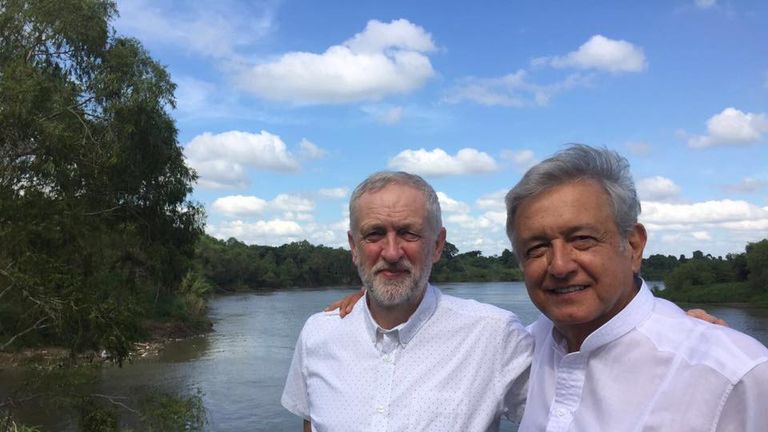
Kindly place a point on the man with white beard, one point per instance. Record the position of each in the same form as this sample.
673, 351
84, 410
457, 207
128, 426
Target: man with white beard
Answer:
407, 358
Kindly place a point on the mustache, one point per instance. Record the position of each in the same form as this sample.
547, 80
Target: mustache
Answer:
402, 265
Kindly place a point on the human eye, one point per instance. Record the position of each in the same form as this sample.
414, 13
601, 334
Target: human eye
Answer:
583, 242
536, 250
373, 236
409, 235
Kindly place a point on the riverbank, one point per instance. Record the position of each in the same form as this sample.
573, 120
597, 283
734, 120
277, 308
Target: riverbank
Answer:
728, 293
159, 334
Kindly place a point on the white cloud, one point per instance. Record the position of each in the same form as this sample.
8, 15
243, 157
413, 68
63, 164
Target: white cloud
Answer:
289, 202
384, 59
523, 159
705, 4
333, 193
439, 163
274, 232
493, 201
701, 235
678, 216
240, 205
600, 53
450, 205
657, 189
732, 127
512, 90
221, 159
308, 150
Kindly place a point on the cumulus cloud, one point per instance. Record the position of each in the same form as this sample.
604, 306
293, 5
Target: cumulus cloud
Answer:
708, 212
221, 159
657, 189
523, 159
274, 232
333, 193
384, 59
309, 150
439, 163
450, 205
295, 203
602, 54
732, 127
493, 201
513, 90
240, 205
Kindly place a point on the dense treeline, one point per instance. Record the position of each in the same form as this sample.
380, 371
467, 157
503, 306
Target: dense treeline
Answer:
232, 265
96, 230
739, 277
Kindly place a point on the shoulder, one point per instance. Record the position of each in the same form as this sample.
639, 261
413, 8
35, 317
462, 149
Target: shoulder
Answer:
324, 325
725, 350
473, 311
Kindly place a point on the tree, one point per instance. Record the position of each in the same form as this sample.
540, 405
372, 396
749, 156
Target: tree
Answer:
95, 222
757, 264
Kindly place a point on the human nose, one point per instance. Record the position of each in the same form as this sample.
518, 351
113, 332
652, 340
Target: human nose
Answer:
392, 251
561, 263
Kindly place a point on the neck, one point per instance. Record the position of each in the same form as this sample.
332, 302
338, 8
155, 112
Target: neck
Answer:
389, 317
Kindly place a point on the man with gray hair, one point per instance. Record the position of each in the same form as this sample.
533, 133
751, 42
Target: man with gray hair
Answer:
609, 356
407, 358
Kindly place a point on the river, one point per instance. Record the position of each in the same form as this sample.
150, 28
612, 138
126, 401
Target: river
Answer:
240, 368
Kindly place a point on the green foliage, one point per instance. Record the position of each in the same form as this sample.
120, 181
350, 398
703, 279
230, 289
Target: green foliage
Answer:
97, 417
757, 265
94, 218
164, 412
472, 266
7, 424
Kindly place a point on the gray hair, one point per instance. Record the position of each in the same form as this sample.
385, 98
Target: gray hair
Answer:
575, 163
382, 179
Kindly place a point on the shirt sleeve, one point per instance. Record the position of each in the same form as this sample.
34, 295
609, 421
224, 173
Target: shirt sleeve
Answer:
744, 410
517, 352
295, 398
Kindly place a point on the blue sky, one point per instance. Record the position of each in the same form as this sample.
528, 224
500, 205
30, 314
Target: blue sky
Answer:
284, 106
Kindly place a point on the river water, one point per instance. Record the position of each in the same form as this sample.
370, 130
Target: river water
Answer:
240, 368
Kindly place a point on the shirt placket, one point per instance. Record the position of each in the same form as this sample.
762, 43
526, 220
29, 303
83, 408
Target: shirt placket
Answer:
568, 389
388, 347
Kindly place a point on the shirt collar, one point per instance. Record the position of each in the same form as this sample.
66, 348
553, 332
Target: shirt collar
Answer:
637, 311
407, 330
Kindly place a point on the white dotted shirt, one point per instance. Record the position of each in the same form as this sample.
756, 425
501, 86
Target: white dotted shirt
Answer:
455, 365
650, 368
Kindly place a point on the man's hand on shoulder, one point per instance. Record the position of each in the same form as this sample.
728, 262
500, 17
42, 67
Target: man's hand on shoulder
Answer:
346, 304
705, 316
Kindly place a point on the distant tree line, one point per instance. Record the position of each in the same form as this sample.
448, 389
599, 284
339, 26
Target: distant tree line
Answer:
231, 265
741, 277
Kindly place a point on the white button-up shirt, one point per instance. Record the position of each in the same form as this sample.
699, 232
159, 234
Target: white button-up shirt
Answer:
455, 365
650, 368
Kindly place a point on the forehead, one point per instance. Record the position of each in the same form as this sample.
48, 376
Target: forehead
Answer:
394, 202
575, 204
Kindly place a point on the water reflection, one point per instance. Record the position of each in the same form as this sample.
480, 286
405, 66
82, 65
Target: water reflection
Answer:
241, 367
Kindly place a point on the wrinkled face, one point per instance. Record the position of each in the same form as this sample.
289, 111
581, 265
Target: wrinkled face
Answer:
393, 244
577, 267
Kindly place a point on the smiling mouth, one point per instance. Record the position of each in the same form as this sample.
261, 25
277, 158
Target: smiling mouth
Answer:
568, 289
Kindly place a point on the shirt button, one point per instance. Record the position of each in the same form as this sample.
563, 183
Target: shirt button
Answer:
380, 409
560, 412
387, 358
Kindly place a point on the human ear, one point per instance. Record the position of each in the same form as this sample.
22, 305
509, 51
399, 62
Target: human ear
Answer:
637, 239
439, 245
352, 246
